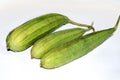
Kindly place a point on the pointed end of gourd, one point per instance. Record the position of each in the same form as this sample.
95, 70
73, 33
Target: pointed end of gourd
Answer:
8, 49
32, 57
42, 66
117, 23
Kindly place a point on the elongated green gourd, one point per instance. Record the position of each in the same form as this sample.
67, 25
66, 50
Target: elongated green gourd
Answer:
76, 48
26, 34
54, 40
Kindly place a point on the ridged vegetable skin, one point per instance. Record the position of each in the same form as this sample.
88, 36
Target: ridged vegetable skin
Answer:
76, 48
54, 40
26, 34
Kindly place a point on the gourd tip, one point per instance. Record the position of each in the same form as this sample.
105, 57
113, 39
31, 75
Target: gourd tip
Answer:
8, 49
32, 57
117, 23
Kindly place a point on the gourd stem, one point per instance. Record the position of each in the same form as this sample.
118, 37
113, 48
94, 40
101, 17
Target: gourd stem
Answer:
83, 25
116, 25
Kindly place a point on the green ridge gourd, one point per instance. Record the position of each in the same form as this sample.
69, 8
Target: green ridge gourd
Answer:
76, 48
26, 34
54, 40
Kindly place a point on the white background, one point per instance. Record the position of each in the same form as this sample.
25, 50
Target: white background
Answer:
103, 63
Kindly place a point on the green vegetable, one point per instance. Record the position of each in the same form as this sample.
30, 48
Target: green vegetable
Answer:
76, 48
54, 40
26, 34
